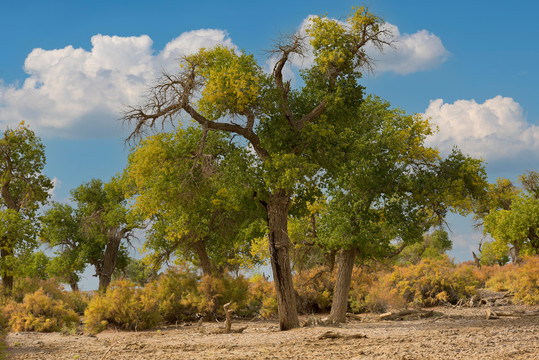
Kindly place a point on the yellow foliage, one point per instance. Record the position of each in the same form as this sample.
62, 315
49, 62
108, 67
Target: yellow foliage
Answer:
39, 312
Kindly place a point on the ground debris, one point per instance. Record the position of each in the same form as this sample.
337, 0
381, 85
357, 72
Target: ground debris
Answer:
330, 334
496, 314
408, 314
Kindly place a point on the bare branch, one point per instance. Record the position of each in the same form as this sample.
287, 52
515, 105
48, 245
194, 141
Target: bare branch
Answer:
286, 46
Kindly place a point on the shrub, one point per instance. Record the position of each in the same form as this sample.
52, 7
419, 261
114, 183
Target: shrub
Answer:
522, 279
432, 282
370, 291
39, 312
123, 305
526, 285
177, 294
261, 297
314, 289
27, 285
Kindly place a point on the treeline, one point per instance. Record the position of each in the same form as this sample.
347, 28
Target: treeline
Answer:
315, 176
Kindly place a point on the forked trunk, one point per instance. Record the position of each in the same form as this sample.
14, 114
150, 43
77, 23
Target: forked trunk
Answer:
279, 245
342, 286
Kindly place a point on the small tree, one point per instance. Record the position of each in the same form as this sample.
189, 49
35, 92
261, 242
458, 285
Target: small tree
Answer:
23, 189
393, 188
515, 226
93, 233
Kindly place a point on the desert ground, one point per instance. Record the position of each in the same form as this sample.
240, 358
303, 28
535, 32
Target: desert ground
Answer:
450, 332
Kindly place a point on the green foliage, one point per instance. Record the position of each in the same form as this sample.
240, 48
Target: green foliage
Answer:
93, 233
123, 305
511, 217
193, 196
24, 189
434, 245
40, 312
432, 282
137, 271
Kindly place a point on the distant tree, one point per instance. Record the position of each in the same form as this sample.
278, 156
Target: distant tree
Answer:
137, 271
95, 232
514, 226
62, 230
23, 189
434, 245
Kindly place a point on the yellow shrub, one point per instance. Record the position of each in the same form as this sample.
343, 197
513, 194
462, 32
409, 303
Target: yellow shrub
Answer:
522, 280
261, 297
177, 294
39, 312
123, 305
370, 291
432, 282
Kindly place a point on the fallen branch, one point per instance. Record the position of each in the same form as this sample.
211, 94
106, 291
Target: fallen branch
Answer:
407, 315
330, 334
496, 314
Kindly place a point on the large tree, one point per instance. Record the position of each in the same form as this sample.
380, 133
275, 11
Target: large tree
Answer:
23, 189
95, 232
390, 191
223, 89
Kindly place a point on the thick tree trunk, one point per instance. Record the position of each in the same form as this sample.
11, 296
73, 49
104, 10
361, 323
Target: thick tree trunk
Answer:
342, 286
279, 245
7, 272
109, 261
205, 262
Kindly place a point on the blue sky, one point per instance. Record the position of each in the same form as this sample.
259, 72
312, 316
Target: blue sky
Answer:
69, 67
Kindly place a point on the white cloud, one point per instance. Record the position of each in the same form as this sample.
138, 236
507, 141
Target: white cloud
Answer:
56, 183
409, 53
78, 93
494, 130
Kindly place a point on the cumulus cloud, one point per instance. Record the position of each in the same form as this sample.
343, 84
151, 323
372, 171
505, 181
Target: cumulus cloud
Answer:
409, 53
494, 130
80, 93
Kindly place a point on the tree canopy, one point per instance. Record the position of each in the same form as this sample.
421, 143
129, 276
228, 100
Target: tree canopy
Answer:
23, 189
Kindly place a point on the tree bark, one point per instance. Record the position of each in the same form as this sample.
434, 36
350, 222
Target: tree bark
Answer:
279, 244
205, 262
342, 286
109, 261
73, 283
7, 272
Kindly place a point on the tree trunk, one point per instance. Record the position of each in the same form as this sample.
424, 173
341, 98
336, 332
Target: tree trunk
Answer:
109, 261
73, 283
7, 272
279, 245
205, 262
342, 286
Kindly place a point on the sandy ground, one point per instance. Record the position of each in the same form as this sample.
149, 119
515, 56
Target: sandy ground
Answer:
457, 333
